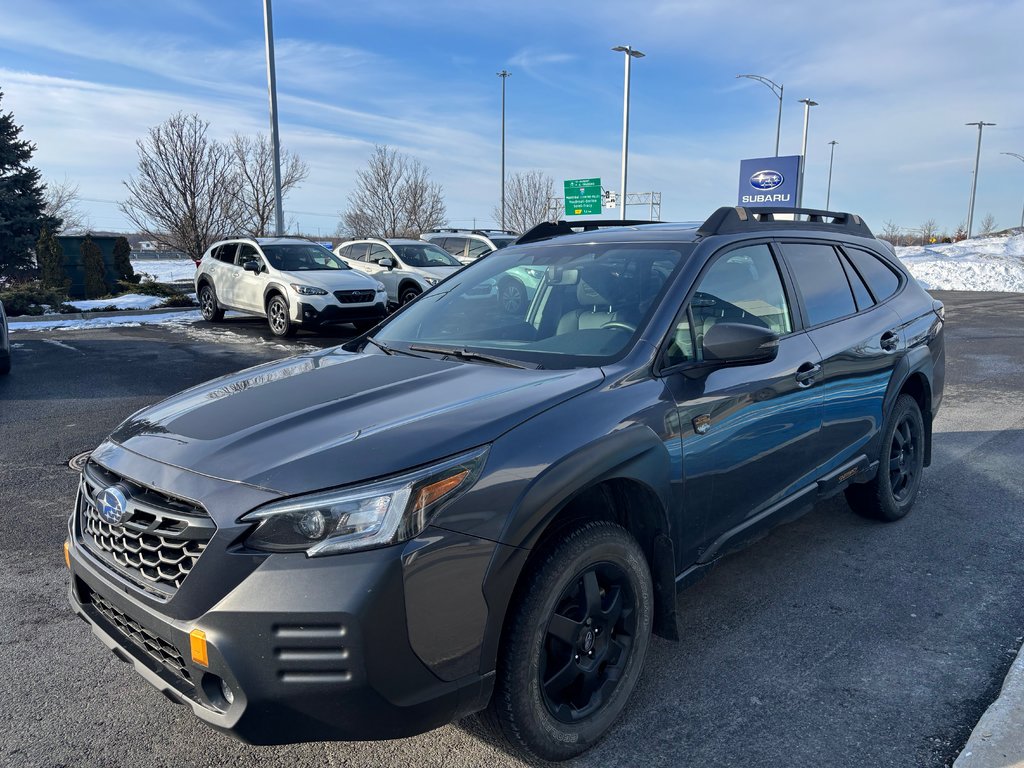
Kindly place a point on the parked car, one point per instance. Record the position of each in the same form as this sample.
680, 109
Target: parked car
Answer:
292, 282
407, 268
5, 343
471, 510
468, 245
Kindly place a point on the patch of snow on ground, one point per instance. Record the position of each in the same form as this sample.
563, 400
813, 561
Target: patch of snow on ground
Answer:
128, 301
978, 264
159, 318
165, 270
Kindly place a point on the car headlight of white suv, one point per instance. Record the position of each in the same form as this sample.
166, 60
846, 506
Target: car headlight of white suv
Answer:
308, 290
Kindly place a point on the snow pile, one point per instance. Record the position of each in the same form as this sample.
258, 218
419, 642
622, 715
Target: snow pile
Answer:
978, 264
127, 301
166, 270
122, 321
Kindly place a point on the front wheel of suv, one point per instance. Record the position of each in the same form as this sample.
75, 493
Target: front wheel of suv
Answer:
277, 317
574, 644
208, 304
890, 495
409, 294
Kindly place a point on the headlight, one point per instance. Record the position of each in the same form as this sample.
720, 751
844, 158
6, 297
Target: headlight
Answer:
431, 280
381, 288
308, 290
371, 515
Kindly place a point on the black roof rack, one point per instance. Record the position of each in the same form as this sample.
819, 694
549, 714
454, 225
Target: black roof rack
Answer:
728, 221
549, 229
478, 231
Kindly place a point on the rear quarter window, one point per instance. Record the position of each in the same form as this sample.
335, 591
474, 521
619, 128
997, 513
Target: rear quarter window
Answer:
879, 276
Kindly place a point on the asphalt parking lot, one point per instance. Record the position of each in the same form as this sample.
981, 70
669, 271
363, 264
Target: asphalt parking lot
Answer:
833, 641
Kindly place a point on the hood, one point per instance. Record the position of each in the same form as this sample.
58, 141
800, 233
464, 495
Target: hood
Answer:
333, 279
334, 417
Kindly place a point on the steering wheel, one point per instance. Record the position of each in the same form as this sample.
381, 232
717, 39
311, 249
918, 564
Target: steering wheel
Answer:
620, 326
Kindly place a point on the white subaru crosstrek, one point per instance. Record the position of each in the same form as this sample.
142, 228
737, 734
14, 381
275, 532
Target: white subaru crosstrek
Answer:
407, 268
290, 281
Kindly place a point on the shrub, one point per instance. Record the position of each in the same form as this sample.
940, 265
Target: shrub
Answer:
92, 263
147, 288
123, 261
33, 299
50, 258
180, 300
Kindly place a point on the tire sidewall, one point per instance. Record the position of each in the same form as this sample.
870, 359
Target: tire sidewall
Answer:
409, 295
905, 405
205, 290
287, 321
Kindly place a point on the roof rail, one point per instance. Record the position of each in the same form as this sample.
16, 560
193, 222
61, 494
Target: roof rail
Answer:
548, 229
727, 221
477, 231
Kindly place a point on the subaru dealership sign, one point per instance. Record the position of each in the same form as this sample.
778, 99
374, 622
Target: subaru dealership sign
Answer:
769, 181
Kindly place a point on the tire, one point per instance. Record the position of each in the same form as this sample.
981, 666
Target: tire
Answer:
512, 296
280, 323
408, 294
208, 304
573, 583
5, 365
891, 494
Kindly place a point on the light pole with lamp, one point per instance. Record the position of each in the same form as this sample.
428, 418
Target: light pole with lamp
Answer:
630, 55
1021, 158
275, 138
504, 76
831, 157
808, 103
974, 187
777, 90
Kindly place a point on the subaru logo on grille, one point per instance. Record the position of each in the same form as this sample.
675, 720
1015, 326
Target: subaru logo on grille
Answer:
112, 505
767, 180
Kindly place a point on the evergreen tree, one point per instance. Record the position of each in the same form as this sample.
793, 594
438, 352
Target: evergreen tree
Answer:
92, 263
123, 260
50, 258
21, 200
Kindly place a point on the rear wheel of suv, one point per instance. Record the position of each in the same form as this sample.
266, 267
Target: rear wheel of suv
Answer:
277, 317
574, 644
890, 495
208, 304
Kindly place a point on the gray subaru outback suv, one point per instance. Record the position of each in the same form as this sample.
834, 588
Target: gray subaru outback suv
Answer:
474, 510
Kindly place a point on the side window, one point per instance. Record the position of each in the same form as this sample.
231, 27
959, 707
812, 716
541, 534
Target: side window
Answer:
358, 251
247, 253
226, 253
345, 252
822, 281
478, 248
456, 246
880, 278
378, 252
742, 286
860, 291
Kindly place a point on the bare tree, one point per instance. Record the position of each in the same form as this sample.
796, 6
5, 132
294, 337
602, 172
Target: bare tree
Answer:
529, 200
891, 232
253, 160
182, 196
928, 231
61, 201
394, 197
988, 225
961, 232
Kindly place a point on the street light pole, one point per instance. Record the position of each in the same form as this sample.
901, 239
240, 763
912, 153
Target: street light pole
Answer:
974, 187
275, 138
808, 103
777, 90
1021, 158
630, 55
832, 154
504, 76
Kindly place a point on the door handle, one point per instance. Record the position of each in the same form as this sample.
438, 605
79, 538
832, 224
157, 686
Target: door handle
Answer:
889, 341
807, 373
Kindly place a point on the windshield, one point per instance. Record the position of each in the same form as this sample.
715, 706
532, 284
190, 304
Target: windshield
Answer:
559, 306
301, 257
425, 255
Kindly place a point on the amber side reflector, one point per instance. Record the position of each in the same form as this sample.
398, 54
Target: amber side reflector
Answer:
67, 554
197, 638
428, 494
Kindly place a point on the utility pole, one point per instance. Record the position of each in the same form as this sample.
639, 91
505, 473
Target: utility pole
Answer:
974, 187
832, 154
275, 138
630, 55
504, 76
778, 90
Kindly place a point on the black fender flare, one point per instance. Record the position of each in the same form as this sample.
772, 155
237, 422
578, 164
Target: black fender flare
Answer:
276, 288
916, 360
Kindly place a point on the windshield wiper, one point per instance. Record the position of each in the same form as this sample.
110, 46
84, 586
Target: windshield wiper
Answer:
467, 354
389, 350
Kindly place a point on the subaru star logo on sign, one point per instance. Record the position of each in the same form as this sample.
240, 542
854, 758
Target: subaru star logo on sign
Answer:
769, 181
112, 505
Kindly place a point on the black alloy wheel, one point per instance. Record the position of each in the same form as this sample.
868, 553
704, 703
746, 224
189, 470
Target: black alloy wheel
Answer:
903, 460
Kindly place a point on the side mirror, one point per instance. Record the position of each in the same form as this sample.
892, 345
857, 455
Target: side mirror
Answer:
389, 263
740, 344
252, 266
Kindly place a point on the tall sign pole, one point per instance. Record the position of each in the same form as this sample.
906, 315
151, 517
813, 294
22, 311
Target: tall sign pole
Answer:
630, 55
831, 157
808, 103
974, 187
504, 76
275, 138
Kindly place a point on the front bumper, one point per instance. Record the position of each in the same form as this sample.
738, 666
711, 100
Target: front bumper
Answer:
312, 649
312, 314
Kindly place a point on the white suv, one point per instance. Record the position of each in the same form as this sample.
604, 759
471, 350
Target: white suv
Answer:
468, 245
407, 268
290, 281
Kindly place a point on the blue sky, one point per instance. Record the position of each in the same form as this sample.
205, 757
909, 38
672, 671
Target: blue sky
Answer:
896, 81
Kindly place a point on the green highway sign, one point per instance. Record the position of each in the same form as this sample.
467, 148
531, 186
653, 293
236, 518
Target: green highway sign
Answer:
582, 197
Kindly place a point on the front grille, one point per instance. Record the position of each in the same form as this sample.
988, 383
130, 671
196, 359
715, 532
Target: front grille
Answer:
354, 297
156, 546
158, 649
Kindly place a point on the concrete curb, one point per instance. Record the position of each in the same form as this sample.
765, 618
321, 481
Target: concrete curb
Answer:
997, 741
89, 315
